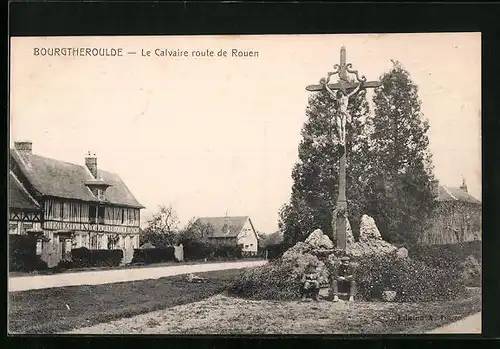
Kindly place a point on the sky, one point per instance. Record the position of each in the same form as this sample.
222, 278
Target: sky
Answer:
219, 135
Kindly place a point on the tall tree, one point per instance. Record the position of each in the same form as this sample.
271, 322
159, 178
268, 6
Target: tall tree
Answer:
399, 191
315, 175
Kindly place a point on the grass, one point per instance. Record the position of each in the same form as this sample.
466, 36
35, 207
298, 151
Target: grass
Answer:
64, 308
222, 314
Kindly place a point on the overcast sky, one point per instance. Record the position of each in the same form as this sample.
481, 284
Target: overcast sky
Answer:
217, 135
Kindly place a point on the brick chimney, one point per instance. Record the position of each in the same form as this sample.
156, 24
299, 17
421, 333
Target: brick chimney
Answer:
464, 185
91, 163
25, 148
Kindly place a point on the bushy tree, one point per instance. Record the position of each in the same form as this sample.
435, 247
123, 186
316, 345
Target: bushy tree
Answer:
315, 175
195, 231
399, 191
389, 167
162, 228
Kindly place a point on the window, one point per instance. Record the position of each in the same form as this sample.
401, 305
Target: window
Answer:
27, 226
93, 242
123, 215
92, 213
100, 214
12, 227
39, 247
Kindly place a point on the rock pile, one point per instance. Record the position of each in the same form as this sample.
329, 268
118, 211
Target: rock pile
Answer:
370, 241
318, 240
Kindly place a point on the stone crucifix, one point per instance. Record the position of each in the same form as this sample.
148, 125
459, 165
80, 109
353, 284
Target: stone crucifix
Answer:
345, 89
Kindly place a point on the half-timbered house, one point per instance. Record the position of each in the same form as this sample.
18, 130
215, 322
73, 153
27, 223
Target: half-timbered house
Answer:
237, 230
71, 205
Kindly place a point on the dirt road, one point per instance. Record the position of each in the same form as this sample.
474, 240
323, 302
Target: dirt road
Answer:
23, 283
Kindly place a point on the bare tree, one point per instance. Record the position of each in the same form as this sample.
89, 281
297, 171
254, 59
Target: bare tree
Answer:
163, 226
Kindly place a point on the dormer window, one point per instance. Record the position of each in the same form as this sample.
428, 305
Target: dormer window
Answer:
98, 188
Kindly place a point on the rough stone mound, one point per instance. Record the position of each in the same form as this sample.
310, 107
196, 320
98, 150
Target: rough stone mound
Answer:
305, 253
319, 240
368, 229
370, 240
349, 236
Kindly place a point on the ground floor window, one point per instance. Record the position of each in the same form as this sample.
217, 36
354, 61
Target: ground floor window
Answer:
94, 242
39, 245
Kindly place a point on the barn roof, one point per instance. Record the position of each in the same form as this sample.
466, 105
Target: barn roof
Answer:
225, 226
19, 196
447, 193
57, 178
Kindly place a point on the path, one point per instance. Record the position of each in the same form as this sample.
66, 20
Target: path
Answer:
470, 324
24, 283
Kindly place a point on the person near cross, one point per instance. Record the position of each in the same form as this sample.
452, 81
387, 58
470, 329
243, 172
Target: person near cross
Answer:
343, 116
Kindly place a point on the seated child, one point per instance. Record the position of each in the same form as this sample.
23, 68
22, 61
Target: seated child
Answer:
310, 282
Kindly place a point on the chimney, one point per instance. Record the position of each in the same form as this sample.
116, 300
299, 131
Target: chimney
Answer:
25, 148
91, 163
464, 185
435, 187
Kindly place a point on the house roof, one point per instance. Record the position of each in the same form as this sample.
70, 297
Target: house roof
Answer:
447, 193
56, 178
19, 196
225, 226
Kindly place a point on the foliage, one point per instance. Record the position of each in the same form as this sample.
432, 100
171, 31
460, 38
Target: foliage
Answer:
315, 175
273, 239
200, 250
273, 281
194, 231
389, 167
444, 256
413, 280
22, 254
84, 258
162, 228
471, 271
400, 196
154, 255
275, 251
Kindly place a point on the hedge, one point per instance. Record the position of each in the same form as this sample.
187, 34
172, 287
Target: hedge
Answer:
22, 254
198, 250
449, 255
413, 280
154, 255
83, 258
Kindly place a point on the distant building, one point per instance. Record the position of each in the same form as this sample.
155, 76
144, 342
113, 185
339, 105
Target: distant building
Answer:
238, 230
68, 205
457, 217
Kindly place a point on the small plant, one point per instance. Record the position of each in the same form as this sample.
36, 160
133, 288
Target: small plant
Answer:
471, 271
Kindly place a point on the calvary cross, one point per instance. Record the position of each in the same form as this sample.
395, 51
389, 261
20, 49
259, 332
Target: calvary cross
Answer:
339, 221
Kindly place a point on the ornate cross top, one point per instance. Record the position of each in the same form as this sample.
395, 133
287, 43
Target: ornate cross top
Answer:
343, 84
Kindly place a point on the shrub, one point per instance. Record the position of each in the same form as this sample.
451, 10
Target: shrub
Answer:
22, 254
154, 255
413, 280
64, 265
471, 271
276, 251
273, 281
199, 250
84, 258
444, 256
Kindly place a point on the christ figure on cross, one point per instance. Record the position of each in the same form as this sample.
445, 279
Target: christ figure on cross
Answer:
343, 116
